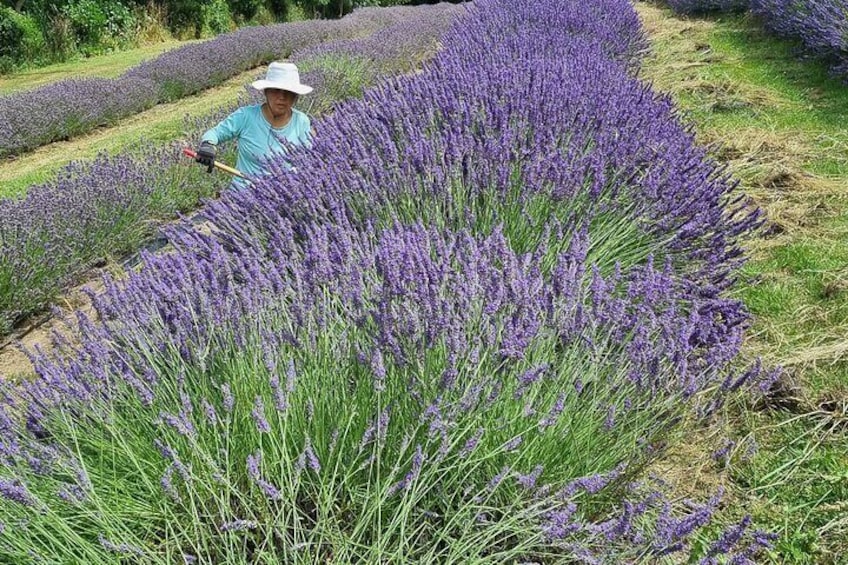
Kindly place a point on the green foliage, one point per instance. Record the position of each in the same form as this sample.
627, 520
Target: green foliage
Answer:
121, 23
20, 38
279, 8
60, 39
44, 31
88, 21
244, 9
218, 17
184, 15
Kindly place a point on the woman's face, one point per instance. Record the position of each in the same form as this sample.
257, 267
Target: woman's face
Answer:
280, 101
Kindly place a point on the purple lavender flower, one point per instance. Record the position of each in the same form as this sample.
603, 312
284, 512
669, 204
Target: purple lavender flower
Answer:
513, 443
397, 235
418, 459
472, 443
123, 548
254, 461
311, 457
238, 526
15, 491
258, 413
229, 401
528, 481
168, 486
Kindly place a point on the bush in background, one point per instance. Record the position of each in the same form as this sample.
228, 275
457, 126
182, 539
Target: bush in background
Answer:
20, 38
37, 32
219, 17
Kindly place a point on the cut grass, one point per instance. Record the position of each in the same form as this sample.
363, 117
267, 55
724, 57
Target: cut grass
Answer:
104, 66
781, 125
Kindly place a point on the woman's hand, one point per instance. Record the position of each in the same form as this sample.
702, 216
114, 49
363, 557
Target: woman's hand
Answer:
206, 155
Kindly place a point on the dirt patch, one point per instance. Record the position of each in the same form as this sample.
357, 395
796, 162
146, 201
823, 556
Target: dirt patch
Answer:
781, 180
688, 467
785, 394
39, 332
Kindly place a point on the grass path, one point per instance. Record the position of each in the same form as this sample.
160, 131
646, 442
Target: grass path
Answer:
104, 66
161, 123
781, 125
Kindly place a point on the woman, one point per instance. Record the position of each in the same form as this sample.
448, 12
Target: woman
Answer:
259, 128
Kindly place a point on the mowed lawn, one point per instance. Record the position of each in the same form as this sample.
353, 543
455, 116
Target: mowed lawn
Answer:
781, 125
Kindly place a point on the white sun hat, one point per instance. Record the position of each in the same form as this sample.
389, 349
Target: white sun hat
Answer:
283, 76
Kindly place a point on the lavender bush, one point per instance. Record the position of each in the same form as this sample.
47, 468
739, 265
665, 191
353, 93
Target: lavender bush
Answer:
71, 107
92, 210
821, 25
455, 334
110, 206
554, 136
359, 396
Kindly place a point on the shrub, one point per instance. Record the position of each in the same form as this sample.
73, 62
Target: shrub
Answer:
152, 23
20, 38
121, 24
88, 21
279, 8
185, 15
219, 19
60, 38
244, 9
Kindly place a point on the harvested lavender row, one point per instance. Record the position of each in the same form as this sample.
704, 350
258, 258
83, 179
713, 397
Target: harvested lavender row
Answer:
109, 206
822, 26
408, 354
71, 107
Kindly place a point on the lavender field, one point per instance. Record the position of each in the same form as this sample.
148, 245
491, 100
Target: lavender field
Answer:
72, 107
109, 207
465, 328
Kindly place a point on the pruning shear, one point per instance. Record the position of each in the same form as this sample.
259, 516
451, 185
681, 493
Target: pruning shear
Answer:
227, 169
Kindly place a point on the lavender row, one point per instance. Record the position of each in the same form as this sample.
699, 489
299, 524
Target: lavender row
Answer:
821, 25
456, 334
570, 136
452, 355
107, 207
71, 107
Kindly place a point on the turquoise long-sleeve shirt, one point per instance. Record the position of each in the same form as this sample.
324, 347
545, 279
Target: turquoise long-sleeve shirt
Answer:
257, 139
